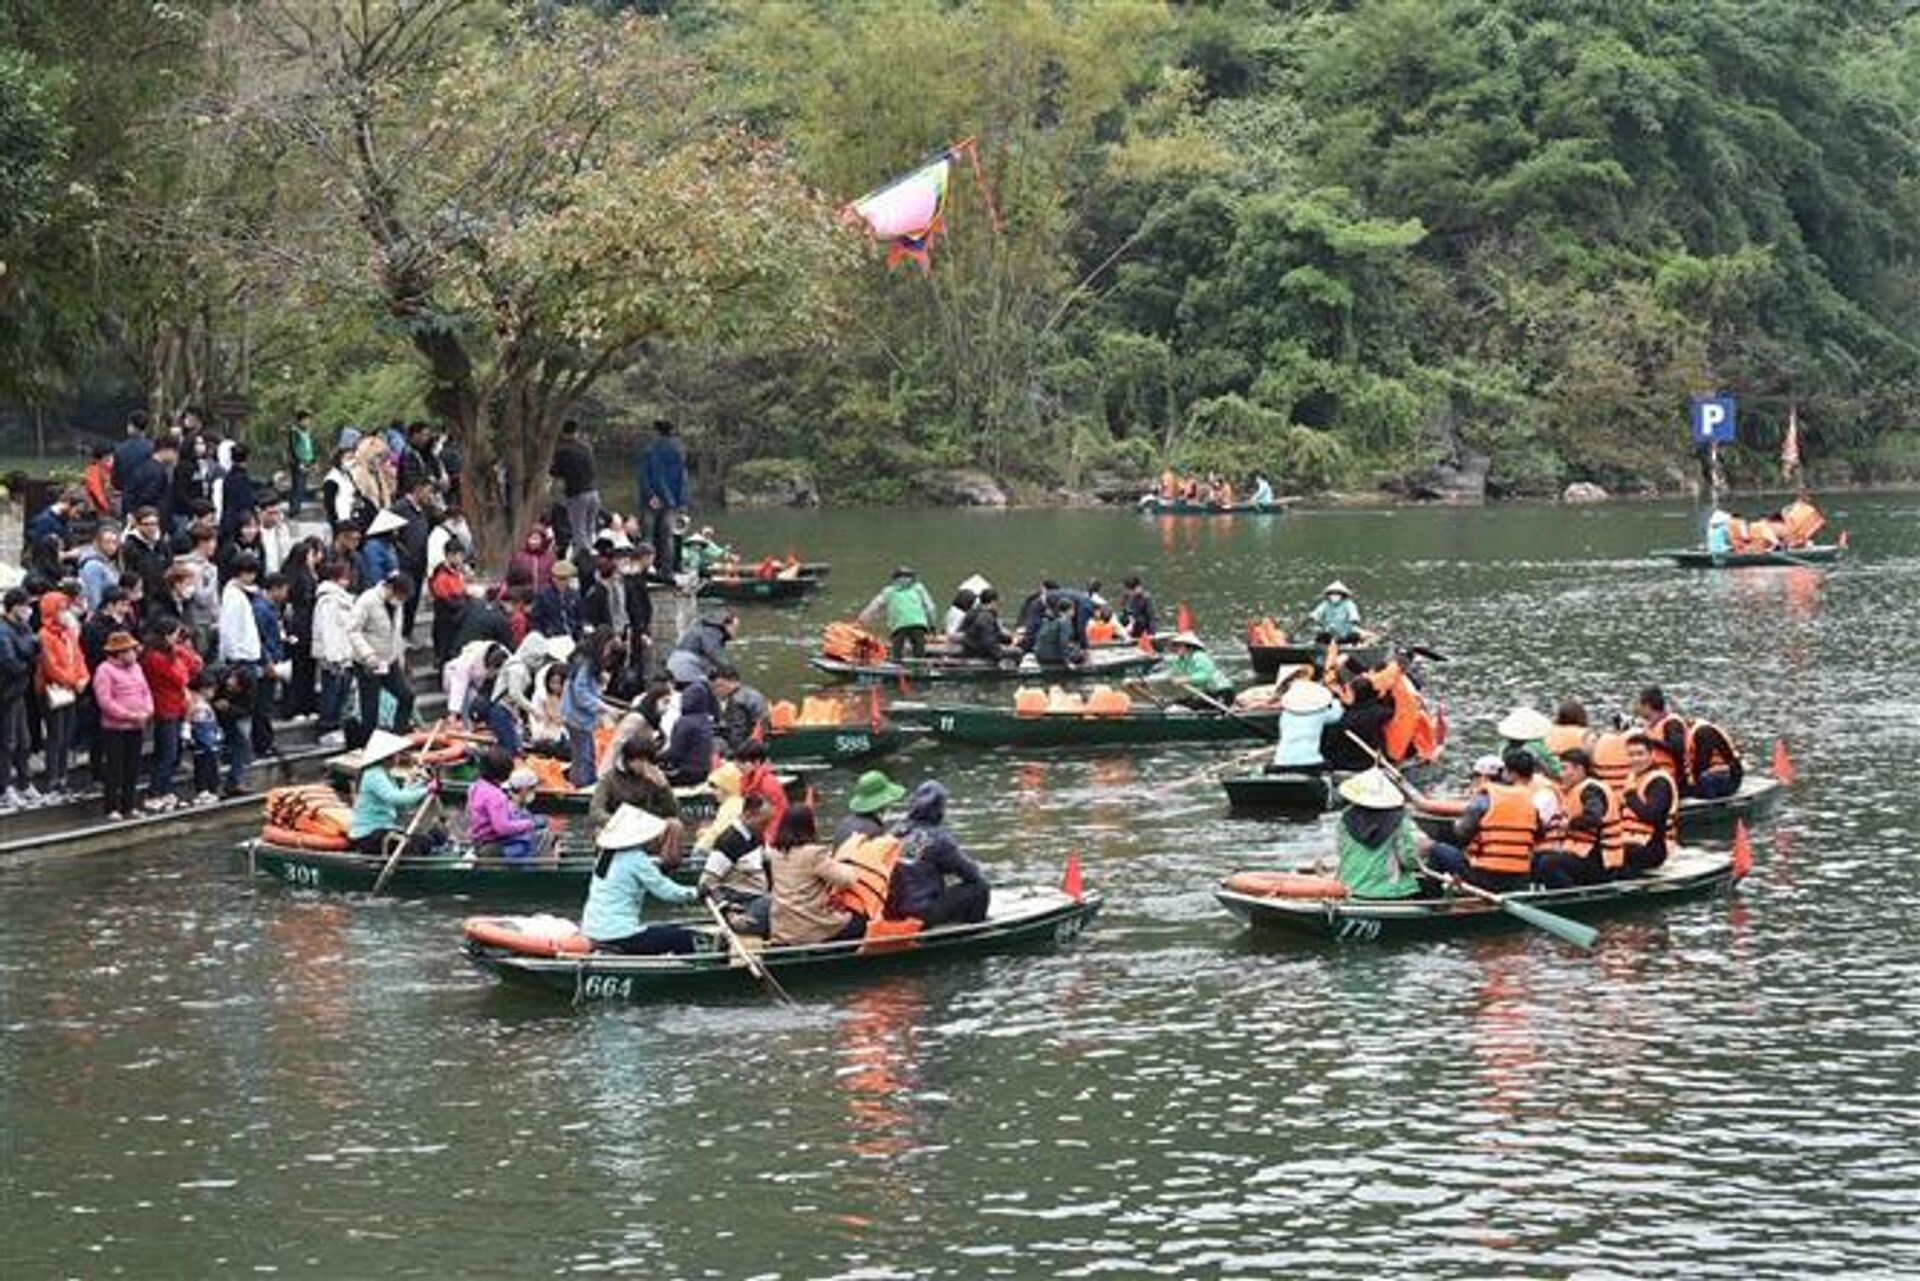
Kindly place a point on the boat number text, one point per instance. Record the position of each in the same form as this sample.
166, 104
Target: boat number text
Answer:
946, 724
851, 743
298, 874
1358, 930
605, 987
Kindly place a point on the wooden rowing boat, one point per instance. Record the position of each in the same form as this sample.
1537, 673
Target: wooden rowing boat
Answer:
454, 872
1105, 663
746, 588
1269, 659
1002, 727
1686, 874
698, 802
1797, 557
1295, 793
1019, 918
1154, 505
833, 744
1759, 796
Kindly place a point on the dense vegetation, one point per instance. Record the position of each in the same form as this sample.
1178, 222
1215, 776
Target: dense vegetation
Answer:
1347, 242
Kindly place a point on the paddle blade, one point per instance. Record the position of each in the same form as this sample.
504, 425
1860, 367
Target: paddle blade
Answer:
1182, 618
1146, 642
873, 705
1742, 851
1843, 538
1581, 936
1440, 726
905, 689
1070, 882
1782, 763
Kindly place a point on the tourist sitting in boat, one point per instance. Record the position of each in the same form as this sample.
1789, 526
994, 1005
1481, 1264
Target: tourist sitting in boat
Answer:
981, 635
1713, 765
486, 712
1307, 710
743, 713
757, 777
1337, 616
688, 755
1649, 808
546, 724
934, 881
380, 800
1365, 717
805, 877
625, 876
634, 779
733, 868
1262, 495
1381, 852
1102, 629
1569, 729
953, 627
1666, 731
867, 807
1053, 642
1190, 668
1136, 607
498, 827
1499, 830
1527, 728
1585, 844
909, 612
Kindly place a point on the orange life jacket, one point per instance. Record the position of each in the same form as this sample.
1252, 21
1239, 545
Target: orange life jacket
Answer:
1504, 841
1572, 804
872, 859
1657, 738
1564, 738
1610, 760
1802, 520
1635, 830
1721, 756
1102, 631
782, 715
1403, 726
1169, 484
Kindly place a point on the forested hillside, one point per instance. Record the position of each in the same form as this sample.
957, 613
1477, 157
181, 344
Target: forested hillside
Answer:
1360, 245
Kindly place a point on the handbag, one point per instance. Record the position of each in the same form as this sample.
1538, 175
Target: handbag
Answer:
59, 696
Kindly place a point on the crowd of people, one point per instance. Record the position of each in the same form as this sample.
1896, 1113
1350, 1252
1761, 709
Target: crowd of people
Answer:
1053, 626
1211, 490
1563, 804
1794, 526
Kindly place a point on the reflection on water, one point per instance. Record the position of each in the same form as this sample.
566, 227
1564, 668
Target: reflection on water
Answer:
206, 1074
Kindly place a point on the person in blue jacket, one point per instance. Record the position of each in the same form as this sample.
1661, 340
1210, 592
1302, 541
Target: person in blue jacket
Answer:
625, 876
663, 495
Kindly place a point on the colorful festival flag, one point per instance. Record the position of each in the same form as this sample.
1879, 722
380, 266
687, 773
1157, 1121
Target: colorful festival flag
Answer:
1790, 447
909, 212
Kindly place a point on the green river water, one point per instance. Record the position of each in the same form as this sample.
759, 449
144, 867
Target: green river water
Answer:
204, 1074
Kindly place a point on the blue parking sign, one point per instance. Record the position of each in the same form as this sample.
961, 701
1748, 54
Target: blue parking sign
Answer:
1713, 420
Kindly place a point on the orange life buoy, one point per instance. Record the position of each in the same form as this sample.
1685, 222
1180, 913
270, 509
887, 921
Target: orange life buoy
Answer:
1285, 885
509, 933
288, 838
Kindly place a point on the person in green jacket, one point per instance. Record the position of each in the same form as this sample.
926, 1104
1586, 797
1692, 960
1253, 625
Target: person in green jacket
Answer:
1188, 666
379, 798
909, 612
1380, 849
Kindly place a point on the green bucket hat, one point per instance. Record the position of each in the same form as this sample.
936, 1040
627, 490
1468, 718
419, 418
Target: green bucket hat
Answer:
874, 792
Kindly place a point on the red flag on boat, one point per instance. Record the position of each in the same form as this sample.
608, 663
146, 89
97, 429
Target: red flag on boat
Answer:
1742, 851
1782, 763
1182, 617
1070, 882
873, 705
1146, 642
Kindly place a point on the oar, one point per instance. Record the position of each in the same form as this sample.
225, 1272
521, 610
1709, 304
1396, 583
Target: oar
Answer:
400, 845
739, 949
1581, 936
1263, 730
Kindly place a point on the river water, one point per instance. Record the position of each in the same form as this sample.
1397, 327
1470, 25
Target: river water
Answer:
208, 1075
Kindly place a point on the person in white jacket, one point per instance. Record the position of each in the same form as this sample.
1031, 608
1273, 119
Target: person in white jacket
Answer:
239, 630
380, 655
333, 646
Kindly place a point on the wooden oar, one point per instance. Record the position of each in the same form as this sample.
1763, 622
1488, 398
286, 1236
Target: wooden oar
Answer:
1265, 732
406, 838
739, 949
1581, 936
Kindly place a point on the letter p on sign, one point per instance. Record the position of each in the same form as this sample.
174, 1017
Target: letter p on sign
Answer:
1713, 420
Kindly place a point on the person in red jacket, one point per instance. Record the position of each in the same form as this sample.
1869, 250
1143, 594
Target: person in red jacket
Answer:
170, 663
62, 678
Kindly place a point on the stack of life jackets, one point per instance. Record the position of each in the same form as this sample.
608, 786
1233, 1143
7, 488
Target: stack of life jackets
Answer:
310, 816
1264, 633
852, 643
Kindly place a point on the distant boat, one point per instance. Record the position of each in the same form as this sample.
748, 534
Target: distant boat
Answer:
1820, 554
1154, 505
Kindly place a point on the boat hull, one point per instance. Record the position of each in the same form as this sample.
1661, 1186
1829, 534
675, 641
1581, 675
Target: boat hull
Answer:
1021, 919
1000, 727
1798, 558
1187, 507
1101, 665
351, 872
1688, 874
766, 591
1303, 793
833, 744
1758, 797
1267, 660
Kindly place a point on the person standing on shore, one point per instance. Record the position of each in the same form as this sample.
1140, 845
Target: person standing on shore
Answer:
573, 467
299, 458
663, 495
